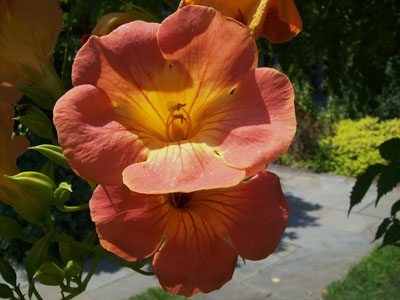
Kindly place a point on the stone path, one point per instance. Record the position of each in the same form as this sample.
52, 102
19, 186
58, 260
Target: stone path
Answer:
319, 246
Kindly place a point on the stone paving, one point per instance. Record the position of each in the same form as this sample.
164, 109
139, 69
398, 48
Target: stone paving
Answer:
319, 246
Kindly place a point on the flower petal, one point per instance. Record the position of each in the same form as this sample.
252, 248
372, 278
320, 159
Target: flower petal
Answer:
10, 147
255, 125
96, 143
195, 258
28, 31
202, 236
128, 66
180, 167
282, 22
9, 82
216, 51
128, 224
258, 213
129, 56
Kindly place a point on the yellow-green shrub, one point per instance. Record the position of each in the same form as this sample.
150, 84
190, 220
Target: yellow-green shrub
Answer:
355, 144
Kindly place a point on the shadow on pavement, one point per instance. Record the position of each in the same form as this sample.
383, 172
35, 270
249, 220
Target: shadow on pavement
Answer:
299, 216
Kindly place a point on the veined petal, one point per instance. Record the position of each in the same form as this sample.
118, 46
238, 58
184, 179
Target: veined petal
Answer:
254, 214
195, 258
128, 224
255, 125
128, 66
180, 167
202, 235
217, 52
97, 143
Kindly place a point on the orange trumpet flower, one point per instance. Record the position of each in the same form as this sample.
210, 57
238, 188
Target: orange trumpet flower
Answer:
201, 233
28, 34
175, 107
277, 20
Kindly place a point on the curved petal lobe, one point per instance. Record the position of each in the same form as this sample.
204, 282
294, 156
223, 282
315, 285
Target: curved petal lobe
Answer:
180, 167
128, 224
96, 143
255, 125
194, 37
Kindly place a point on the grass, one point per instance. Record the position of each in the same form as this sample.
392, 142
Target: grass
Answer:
156, 293
377, 276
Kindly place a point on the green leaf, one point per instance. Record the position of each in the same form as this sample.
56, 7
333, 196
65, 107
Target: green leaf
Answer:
7, 272
48, 169
67, 251
37, 122
139, 13
392, 235
5, 291
90, 239
395, 208
388, 180
37, 255
389, 150
382, 228
92, 185
10, 228
54, 153
363, 183
39, 96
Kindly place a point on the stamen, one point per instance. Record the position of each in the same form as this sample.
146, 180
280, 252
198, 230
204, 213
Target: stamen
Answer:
176, 132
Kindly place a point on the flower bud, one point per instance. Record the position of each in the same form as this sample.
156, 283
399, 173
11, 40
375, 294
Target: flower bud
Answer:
28, 208
61, 194
50, 274
35, 185
72, 269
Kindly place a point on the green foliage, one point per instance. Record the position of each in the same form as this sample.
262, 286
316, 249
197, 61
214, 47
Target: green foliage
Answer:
354, 146
389, 178
375, 277
305, 151
359, 47
156, 293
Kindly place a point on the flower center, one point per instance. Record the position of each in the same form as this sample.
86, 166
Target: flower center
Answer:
178, 125
180, 200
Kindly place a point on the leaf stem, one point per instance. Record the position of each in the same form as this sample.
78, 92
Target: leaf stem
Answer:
64, 208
